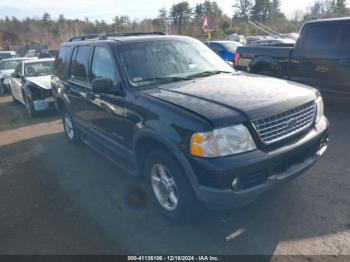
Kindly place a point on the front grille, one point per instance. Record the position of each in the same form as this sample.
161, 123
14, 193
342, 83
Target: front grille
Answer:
278, 127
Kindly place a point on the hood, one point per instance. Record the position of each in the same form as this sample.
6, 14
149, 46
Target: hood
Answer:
6, 73
228, 99
42, 81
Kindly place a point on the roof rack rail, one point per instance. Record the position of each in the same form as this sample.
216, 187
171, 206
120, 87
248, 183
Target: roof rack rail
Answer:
105, 36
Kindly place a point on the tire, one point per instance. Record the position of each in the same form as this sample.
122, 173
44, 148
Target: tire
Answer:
71, 131
187, 207
30, 107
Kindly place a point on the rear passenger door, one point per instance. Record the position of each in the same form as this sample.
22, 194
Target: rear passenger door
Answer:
316, 60
78, 82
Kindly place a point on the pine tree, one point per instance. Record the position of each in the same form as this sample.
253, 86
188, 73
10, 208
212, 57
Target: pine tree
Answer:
243, 9
261, 10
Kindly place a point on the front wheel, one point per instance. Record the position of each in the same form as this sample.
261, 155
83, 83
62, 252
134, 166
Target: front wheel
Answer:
71, 131
170, 188
30, 107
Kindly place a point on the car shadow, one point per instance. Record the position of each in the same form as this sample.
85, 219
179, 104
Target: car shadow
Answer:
15, 115
59, 198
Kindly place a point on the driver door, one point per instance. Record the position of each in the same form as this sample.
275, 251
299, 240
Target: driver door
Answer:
106, 113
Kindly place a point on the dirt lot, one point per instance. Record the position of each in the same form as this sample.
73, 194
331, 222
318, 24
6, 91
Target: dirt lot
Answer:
61, 199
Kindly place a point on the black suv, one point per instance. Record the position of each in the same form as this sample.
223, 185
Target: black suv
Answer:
169, 109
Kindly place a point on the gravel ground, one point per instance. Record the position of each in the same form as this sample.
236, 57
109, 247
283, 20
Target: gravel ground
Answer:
56, 198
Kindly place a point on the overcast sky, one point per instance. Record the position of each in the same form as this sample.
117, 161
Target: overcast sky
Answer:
107, 9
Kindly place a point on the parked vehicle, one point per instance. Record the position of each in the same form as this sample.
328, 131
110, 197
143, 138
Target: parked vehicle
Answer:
225, 49
7, 67
7, 54
320, 58
46, 53
274, 42
237, 38
31, 53
168, 109
30, 85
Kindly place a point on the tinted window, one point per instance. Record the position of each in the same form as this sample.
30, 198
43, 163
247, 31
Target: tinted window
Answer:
62, 62
345, 40
80, 63
322, 37
102, 64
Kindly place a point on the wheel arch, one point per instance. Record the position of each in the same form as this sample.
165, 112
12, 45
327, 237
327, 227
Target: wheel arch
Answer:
147, 141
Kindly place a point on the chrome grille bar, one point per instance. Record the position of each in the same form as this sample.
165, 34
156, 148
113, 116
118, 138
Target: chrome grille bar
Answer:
280, 126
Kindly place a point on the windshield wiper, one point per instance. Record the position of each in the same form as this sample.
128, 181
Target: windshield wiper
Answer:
163, 79
207, 73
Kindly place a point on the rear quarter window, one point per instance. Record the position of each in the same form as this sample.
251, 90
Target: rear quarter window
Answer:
322, 37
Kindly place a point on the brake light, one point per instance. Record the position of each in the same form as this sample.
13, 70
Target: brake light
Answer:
237, 56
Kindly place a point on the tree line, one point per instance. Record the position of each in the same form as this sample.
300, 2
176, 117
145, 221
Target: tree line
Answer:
181, 18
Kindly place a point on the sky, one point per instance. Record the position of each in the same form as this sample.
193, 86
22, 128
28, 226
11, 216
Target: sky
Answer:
107, 9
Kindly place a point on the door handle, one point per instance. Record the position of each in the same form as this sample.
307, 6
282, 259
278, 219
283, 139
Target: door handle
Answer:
345, 61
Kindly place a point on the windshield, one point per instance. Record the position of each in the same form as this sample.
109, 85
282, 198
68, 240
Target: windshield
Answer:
231, 46
7, 65
150, 62
39, 68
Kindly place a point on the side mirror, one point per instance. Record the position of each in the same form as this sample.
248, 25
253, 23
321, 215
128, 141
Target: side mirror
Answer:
101, 85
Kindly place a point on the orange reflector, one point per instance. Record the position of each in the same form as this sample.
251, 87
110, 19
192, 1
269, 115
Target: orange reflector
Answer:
197, 150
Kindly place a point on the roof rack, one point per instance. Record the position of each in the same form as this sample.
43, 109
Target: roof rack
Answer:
105, 36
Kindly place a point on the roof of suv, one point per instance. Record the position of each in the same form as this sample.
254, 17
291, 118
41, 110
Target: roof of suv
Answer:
124, 38
341, 19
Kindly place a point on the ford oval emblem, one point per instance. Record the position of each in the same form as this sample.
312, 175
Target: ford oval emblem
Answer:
292, 123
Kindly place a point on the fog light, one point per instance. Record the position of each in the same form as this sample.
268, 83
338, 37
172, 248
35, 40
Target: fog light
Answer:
235, 183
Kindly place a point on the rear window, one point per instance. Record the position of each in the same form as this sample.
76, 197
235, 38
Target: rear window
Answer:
62, 62
322, 37
80, 61
5, 55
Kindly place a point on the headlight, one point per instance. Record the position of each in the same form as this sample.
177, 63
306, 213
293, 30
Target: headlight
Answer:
222, 142
320, 108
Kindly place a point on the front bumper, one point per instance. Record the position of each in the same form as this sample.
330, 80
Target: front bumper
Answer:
258, 171
43, 104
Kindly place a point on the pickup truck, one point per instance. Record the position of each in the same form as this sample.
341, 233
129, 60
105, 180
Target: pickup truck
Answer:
320, 57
